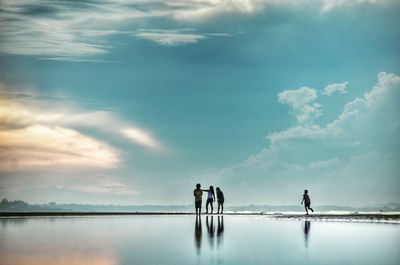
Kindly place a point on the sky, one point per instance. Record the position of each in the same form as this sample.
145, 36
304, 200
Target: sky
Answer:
134, 102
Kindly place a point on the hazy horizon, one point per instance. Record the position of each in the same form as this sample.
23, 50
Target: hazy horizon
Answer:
134, 102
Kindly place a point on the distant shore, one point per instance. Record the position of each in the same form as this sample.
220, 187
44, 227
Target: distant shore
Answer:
328, 216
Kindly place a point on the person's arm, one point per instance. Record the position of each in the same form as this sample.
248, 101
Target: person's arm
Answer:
302, 200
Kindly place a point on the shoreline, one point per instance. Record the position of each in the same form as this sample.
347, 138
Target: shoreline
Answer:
278, 215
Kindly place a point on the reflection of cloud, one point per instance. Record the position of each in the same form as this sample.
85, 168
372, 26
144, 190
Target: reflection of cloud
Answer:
39, 258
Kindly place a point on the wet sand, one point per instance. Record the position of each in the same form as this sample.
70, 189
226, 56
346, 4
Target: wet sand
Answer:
386, 217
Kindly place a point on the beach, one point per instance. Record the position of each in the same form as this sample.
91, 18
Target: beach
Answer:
183, 238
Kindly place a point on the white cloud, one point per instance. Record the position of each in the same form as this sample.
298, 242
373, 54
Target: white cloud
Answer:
300, 100
329, 5
332, 88
297, 98
344, 162
170, 37
76, 30
141, 137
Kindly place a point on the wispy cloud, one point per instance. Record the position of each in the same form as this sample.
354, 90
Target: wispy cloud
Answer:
28, 140
142, 137
40, 135
169, 37
333, 88
78, 29
109, 186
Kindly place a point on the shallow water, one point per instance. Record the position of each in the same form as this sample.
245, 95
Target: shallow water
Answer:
180, 240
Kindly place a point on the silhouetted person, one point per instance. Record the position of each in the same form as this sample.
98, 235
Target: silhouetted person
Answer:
198, 193
210, 198
307, 227
220, 230
198, 233
220, 199
307, 202
210, 230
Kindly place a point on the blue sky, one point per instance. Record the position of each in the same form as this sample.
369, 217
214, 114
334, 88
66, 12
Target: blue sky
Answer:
134, 102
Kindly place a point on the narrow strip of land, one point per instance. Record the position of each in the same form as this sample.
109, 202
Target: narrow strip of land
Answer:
324, 216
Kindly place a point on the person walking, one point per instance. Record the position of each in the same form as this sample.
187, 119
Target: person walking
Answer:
307, 202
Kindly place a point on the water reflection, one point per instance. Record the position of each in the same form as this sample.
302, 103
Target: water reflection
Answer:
198, 233
12, 221
220, 231
307, 227
211, 232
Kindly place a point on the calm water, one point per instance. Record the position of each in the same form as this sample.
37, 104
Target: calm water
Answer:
180, 240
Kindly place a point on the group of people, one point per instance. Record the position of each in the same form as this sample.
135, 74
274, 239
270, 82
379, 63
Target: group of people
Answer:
198, 198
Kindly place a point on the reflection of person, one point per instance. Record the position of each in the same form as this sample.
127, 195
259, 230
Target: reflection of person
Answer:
210, 230
307, 202
220, 200
220, 230
198, 193
307, 226
198, 233
210, 198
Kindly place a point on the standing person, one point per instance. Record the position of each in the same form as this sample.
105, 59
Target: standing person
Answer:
307, 202
220, 199
210, 198
198, 193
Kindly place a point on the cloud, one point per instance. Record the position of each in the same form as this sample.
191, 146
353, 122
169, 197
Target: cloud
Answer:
28, 141
141, 137
343, 162
329, 5
77, 31
297, 98
332, 88
300, 101
169, 37
36, 133
108, 186
42, 146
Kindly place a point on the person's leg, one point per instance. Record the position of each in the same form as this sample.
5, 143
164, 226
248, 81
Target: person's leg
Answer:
218, 207
305, 207
222, 207
207, 202
212, 208
309, 207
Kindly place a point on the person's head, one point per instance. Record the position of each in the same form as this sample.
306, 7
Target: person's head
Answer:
211, 188
217, 189
198, 186
305, 191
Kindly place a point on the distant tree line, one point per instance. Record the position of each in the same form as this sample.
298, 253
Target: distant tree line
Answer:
21, 206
